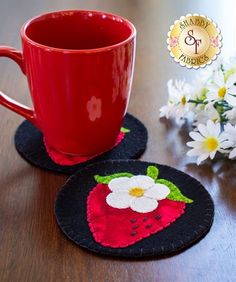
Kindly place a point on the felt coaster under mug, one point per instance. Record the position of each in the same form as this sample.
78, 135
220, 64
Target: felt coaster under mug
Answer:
130, 208
29, 143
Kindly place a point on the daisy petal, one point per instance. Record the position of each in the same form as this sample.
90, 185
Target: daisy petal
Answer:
212, 96
231, 115
141, 181
223, 137
119, 200
194, 144
120, 184
213, 128
232, 154
230, 132
226, 144
196, 136
212, 155
230, 99
166, 111
216, 128
232, 90
219, 78
202, 158
231, 80
195, 152
212, 88
228, 127
143, 204
203, 130
158, 192
224, 151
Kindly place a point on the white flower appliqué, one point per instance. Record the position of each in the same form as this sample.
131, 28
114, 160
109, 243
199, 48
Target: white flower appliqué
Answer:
140, 193
94, 108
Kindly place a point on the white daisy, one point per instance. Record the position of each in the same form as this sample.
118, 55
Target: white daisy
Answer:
179, 94
207, 141
140, 193
219, 89
230, 134
198, 92
203, 116
198, 95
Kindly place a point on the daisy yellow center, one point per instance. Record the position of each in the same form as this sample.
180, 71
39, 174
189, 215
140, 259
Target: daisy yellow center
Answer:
222, 92
136, 192
211, 144
183, 100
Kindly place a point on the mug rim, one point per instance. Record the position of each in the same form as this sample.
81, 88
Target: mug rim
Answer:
92, 50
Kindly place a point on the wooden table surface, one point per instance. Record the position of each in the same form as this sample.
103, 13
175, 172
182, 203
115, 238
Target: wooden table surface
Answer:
32, 248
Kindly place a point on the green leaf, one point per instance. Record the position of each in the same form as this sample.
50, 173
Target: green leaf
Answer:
124, 130
175, 193
153, 172
106, 179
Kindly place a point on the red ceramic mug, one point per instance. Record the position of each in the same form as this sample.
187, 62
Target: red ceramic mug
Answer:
79, 66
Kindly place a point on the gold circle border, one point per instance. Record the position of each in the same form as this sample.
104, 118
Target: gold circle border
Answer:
187, 65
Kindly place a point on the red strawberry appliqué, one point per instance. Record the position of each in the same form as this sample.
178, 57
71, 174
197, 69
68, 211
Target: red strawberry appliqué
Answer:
122, 227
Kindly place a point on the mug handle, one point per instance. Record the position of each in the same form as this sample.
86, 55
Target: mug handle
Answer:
8, 102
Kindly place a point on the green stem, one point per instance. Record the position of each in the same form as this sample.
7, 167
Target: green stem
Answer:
198, 102
223, 105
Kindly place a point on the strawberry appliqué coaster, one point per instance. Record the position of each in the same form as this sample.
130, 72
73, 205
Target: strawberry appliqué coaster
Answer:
133, 208
124, 209
29, 142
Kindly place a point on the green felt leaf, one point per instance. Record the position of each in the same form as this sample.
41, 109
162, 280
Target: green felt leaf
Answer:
106, 179
153, 171
124, 130
175, 193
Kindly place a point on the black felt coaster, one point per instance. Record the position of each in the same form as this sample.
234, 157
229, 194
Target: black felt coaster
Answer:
71, 209
29, 144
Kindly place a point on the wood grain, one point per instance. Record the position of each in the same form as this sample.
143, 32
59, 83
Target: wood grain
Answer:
31, 245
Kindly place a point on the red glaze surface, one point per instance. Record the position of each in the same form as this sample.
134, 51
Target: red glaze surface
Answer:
79, 66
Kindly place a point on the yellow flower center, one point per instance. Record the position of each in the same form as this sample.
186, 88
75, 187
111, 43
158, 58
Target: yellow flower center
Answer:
211, 144
183, 100
136, 192
222, 92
